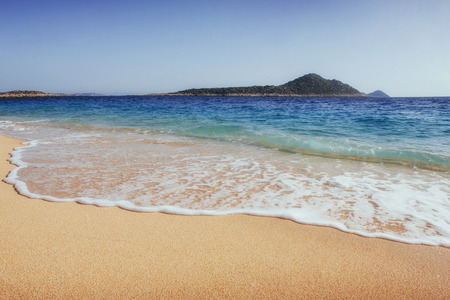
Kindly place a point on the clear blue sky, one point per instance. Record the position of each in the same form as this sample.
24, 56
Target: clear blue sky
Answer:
139, 47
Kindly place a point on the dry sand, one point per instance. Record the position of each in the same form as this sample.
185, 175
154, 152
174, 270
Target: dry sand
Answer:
69, 250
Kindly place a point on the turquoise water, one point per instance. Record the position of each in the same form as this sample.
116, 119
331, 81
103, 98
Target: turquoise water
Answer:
412, 131
376, 167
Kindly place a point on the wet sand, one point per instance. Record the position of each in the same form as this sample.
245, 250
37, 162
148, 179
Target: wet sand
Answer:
69, 250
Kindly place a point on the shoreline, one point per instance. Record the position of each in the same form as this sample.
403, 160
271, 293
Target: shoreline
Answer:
56, 250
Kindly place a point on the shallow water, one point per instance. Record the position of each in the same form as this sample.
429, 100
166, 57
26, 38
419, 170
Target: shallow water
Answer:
376, 167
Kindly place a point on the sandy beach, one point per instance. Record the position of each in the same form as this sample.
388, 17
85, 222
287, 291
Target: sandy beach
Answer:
68, 250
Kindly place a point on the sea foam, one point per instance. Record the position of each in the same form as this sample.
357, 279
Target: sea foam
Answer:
202, 178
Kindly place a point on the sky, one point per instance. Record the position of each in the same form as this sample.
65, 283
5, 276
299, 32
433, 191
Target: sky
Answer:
139, 47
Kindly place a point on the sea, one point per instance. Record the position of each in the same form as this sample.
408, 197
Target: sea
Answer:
377, 167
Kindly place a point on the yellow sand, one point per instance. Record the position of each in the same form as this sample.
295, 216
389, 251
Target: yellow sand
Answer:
69, 250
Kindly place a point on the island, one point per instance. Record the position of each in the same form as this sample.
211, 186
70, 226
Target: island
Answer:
310, 85
19, 94
379, 94
87, 94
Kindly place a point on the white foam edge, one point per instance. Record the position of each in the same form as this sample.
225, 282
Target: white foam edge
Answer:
294, 214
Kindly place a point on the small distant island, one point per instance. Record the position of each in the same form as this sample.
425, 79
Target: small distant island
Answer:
305, 86
24, 94
18, 94
87, 94
379, 94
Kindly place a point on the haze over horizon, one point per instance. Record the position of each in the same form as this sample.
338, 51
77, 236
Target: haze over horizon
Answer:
140, 47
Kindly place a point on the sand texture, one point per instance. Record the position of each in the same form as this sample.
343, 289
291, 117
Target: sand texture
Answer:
67, 250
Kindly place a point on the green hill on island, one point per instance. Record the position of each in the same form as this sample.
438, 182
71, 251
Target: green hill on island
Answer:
307, 85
